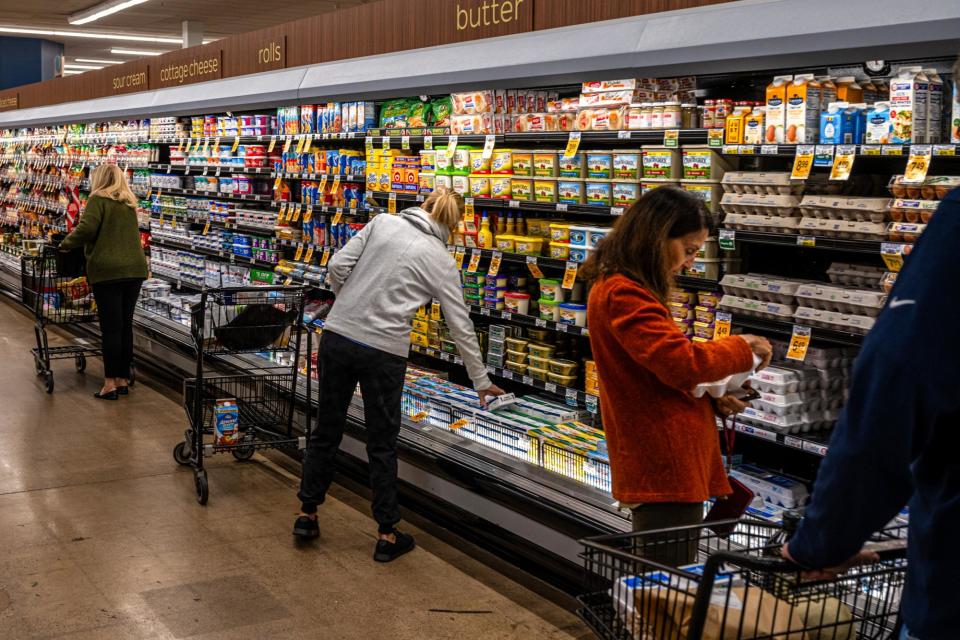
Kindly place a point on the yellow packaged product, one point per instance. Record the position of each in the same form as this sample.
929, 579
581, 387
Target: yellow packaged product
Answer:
559, 232
501, 187
545, 190
505, 243
528, 245
502, 161
479, 164
545, 164
521, 188
479, 186
522, 163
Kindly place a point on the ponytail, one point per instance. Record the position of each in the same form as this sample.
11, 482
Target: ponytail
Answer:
445, 206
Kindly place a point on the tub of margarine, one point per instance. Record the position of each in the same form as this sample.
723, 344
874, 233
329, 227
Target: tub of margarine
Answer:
550, 289
599, 192
528, 245
506, 243
428, 182
443, 181
549, 310
461, 184
442, 161
479, 164
502, 161
579, 254
574, 166
461, 160
522, 163
626, 165
575, 314
501, 187
545, 190
559, 232
600, 165
624, 193
570, 191
521, 188
595, 235
428, 160
545, 164
559, 250
479, 186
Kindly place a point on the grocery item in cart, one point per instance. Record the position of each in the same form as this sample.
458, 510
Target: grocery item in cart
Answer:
226, 422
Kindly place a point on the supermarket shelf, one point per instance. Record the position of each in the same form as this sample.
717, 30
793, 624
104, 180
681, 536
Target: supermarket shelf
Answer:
183, 286
223, 255
346, 211
868, 150
515, 258
528, 321
344, 177
280, 138
811, 443
223, 224
206, 169
644, 136
832, 336
702, 284
810, 241
266, 199
521, 205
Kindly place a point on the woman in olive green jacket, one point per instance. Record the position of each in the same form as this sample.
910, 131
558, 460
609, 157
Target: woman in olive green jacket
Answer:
116, 267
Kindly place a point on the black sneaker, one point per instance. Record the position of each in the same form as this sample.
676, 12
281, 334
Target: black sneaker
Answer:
390, 551
306, 527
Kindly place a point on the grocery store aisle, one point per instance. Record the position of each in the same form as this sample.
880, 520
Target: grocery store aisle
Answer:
102, 537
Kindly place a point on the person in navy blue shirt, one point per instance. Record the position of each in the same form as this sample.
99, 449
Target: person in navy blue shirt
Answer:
898, 439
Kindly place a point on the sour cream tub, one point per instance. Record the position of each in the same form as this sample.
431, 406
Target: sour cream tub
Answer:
624, 194
600, 165
599, 192
517, 302
570, 191
574, 314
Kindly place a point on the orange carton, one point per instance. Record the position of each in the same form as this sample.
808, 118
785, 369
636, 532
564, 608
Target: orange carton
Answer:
849, 91
734, 125
776, 109
828, 92
803, 110
753, 126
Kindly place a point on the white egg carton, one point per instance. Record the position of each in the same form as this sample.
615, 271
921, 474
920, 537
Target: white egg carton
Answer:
840, 208
790, 403
761, 287
779, 408
905, 231
841, 299
783, 381
855, 275
800, 423
770, 310
818, 357
843, 228
772, 183
772, 224
834, 320
760, 204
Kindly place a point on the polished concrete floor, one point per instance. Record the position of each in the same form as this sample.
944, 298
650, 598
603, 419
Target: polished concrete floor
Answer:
101, 537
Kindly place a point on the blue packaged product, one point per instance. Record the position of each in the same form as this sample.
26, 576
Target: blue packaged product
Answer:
226, 422
831, 125
343, 163
333, 160
853, 124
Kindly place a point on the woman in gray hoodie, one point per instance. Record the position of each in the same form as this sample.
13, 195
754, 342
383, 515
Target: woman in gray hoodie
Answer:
394, 266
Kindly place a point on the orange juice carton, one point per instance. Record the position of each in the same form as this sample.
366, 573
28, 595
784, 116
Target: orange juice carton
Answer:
753, 126
849, 91
879, 124
776, 114
226, 425
909, 94
828, 91
803, 110
870, 91
734, 125
934, 106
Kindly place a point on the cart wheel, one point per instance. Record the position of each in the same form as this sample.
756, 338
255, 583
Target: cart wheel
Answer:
244, 453
81, 362
49, 381
181, 454
203, 489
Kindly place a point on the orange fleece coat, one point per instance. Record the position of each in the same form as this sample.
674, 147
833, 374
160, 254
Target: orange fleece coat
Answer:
663, 442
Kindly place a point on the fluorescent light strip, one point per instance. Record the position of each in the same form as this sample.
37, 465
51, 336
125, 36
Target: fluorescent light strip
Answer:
85, 67
102, 10
89, 34
96, 61
135, 52
68, 72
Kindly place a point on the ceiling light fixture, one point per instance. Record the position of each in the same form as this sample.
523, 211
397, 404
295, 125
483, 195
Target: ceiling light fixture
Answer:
96, 61
68, 72
134, 52
85, 67
102, 10
89, 34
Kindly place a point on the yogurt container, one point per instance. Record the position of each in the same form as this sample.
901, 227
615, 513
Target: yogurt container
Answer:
517, 302
570, 191
545, 164
626, 165
521, 188
502, 161
574, 166
545, 190
549, 310
501, 187
522, 163
599, 165
624, 194
599, 192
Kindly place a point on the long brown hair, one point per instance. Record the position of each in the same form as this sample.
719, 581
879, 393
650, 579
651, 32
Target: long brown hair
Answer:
637, 246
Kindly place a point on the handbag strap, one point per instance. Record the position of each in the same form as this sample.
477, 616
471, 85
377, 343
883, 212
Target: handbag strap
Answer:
730, 438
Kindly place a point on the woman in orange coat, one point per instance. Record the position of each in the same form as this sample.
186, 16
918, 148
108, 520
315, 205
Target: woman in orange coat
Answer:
663, 443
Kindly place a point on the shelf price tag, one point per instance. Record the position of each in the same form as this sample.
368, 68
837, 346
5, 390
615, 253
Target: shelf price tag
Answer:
308, 214
892, 254
843, 162
917, 164
309, 255
321, 188
475, 255
722, 325
385, 143
671, 138
325, 256
299, 253
799, 343
746, 149
452, 145
769, 150
283, 212
236, 144
591, 403
459, 255
404, 142
435, 311
180, 146
468, 208
802, 163
459, 424
495, 260
338, 214
892, 150
727, 239
206, 228
806, 241
286, 144
944, 150
368, 142
296, 212
336, 184
870, 149
392, 203
216, 145
570, 275
823, 155
273, 143
534, 267
488, 145
571, 397
428, 142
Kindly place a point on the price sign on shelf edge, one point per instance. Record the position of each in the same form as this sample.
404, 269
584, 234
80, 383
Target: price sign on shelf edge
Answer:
474, 260
570, 275
802, 163
495, 260
799, 343
918, 164
534, 267
573, 144
722, 325
843, 162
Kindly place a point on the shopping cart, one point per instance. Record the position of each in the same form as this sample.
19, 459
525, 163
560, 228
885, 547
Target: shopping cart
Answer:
253, 410
56, 299
742, 590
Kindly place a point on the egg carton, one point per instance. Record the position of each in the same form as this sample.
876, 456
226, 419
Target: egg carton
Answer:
933, 188
818, 357
759, 182
773, 488
802, 423
784, 379
904, 210
761, 287
760, 204
852, 209
843, 228
834, 320
850, 301
855, 275
759, 308
905, 231
772, 224
782, 409
790, 403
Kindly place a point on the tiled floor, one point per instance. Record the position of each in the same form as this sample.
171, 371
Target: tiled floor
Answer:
100, 536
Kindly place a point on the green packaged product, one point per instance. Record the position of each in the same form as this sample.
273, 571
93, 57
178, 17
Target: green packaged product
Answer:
441, 108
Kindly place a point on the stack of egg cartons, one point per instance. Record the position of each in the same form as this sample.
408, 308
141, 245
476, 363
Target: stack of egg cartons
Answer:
764, 296
837, 307
761, 201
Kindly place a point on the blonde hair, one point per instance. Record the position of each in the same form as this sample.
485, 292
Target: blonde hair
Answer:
109, 181
446, 207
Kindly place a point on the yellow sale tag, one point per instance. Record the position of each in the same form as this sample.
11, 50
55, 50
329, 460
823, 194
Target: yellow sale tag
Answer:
299, 149
843, 162
392, 203
534, 267
287, 281
917, 164
570, 275
206, 146
459, 255
206, 228
573, 144
273, 143
802, 163
435, 311
489, 143
216, 145
334, 188
495, 260
452, 145
892, 254
283, 212
337, 216
299, 253
799, 343
474, 260
468, 208
459, 424
286, 145
325, 256
180, 146
323, 185
236, 143
296, 212
277, 183
722, 325
308, 214
418, 417
309, 255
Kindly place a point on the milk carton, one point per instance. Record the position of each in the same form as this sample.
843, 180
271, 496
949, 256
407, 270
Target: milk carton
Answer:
753, 126
803, 110
828, 92
226, 423
776, 114
831, 123
849, 91
879, 124
934, 106
854, 123
909, 93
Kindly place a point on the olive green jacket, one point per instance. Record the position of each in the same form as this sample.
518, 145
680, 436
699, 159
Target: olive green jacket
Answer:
109, 232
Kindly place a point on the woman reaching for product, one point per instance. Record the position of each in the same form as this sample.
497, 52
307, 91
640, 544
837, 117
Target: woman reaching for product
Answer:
394, 266
116, 267
664, 449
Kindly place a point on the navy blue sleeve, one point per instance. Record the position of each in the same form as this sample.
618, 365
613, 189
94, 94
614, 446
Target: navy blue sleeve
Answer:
905, 377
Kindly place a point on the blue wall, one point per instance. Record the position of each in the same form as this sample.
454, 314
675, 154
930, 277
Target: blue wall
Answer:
26, 60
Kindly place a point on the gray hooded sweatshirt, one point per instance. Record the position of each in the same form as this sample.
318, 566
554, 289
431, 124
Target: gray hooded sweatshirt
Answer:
394, 266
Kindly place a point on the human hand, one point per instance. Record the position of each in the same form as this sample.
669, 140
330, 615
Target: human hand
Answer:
860, 558
488, 394
761, 347
728, 405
